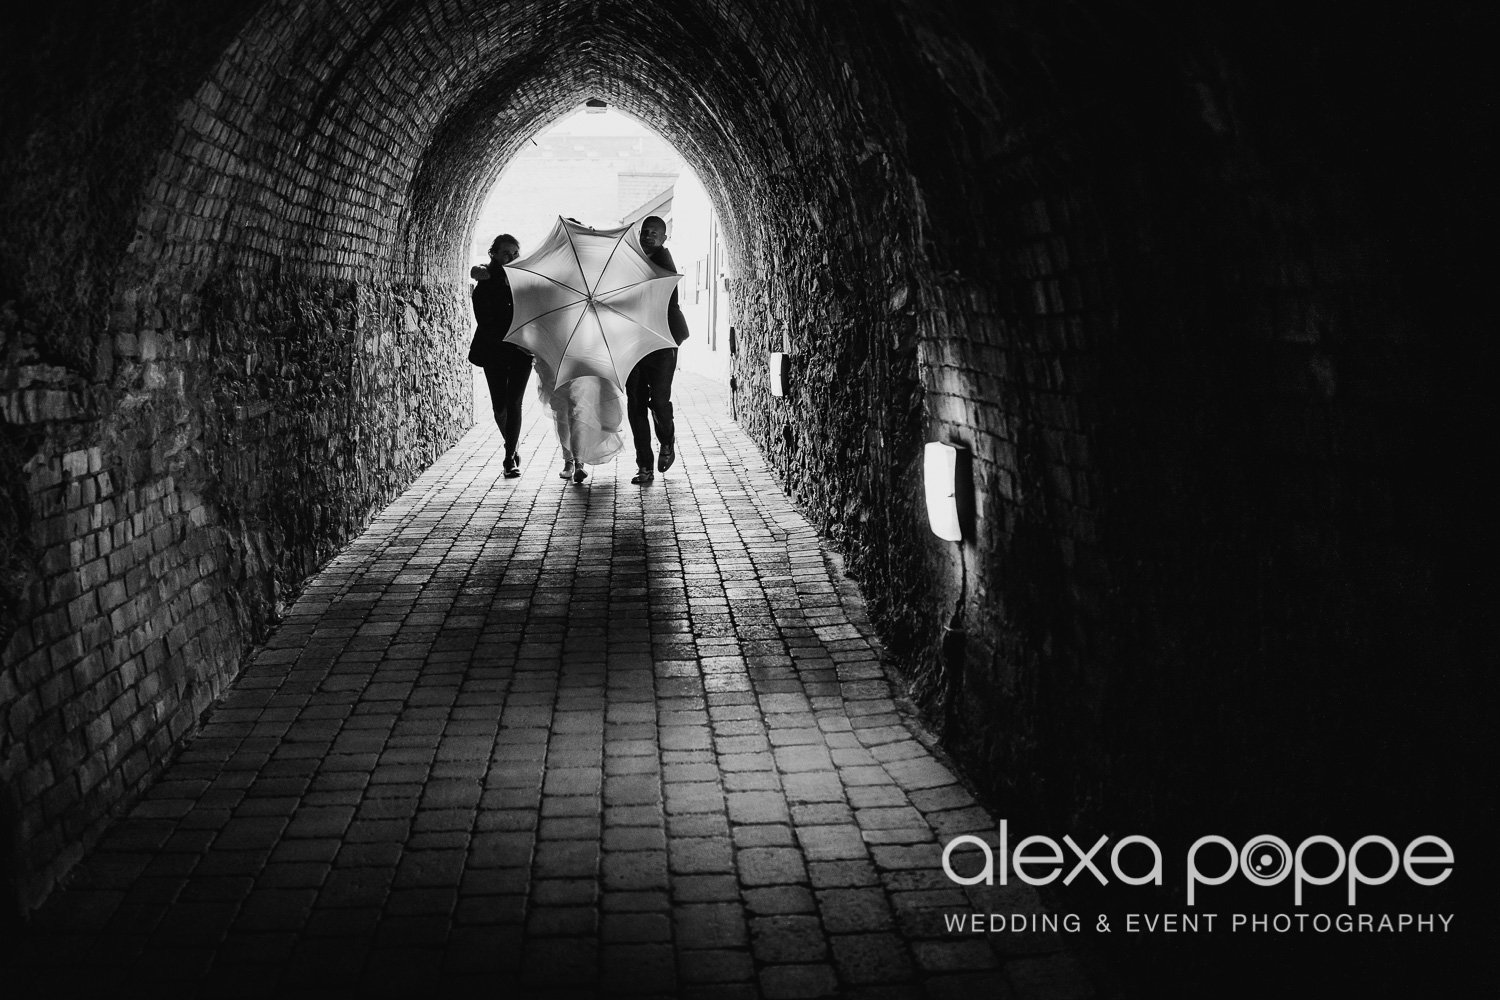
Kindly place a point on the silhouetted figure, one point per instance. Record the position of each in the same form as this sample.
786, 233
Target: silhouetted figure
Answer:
649, 387
507, 367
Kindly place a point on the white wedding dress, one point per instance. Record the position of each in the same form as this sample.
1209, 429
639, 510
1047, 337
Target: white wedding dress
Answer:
587, 413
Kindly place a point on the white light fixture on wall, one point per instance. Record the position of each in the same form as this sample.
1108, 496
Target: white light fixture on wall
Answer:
944, 486
780, 372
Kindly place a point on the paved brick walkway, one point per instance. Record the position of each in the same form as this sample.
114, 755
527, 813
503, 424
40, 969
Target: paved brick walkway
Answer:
533, 738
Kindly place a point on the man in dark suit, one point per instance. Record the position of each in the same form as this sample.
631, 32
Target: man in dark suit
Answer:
507, 368
649, 387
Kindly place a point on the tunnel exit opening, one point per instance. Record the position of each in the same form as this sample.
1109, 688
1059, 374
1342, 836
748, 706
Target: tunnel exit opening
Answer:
606, 168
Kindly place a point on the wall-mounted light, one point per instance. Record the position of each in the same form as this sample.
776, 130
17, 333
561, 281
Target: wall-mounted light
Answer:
594, 105
781, 368
945, 478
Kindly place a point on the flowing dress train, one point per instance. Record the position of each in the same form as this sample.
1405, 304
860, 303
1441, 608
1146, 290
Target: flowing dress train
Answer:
587, 414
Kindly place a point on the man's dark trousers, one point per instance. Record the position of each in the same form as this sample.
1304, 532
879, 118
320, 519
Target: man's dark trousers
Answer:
649, 387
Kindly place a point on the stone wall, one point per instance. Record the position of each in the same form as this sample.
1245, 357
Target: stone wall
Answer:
214, 374
1190, 293
1150, 272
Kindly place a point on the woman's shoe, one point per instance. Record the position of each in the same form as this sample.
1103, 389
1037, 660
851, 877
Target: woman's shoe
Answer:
579, 474
567, 471
512, 466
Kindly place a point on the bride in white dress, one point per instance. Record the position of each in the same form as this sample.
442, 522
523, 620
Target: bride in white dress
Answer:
587, 414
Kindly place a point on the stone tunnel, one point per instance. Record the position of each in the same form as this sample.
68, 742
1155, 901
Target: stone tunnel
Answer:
1190, 284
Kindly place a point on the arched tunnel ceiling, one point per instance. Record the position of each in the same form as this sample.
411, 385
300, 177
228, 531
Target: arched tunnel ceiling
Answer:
341, 137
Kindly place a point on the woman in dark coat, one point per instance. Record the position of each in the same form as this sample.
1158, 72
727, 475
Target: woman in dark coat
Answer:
507, 368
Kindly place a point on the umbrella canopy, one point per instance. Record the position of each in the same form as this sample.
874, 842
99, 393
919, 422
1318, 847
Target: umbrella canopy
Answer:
590, 302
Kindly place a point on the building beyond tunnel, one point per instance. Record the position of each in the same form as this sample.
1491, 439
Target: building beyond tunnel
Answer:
1194, 284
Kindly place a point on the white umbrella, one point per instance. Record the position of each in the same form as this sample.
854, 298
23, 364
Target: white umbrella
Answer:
590, 302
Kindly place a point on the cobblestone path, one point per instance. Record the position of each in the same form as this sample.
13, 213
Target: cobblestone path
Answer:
529, 738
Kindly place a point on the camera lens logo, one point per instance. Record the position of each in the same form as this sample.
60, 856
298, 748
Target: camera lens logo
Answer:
1265, 860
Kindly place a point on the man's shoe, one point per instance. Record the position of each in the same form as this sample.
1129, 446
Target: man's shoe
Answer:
668, 455
512, 466
567, 471
579, 473
643, 475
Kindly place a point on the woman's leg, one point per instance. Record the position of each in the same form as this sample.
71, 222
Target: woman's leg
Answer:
517, 374
496, 377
